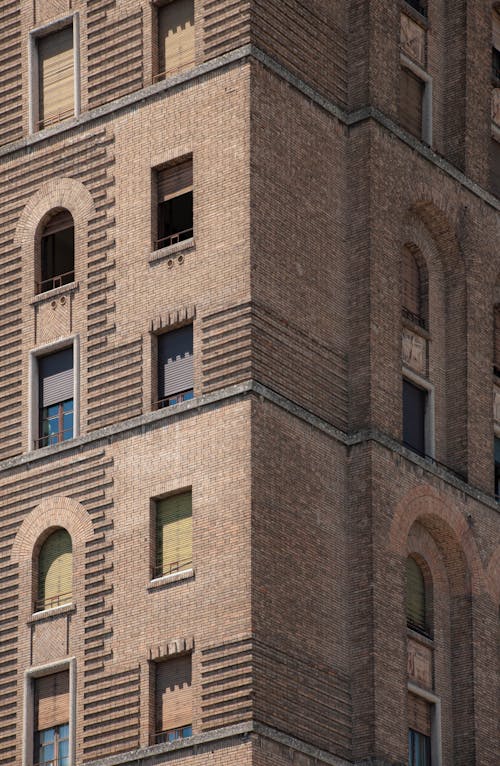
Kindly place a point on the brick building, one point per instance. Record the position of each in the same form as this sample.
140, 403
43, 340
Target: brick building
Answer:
249, 397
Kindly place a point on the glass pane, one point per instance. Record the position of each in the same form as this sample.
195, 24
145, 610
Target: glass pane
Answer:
187, 731
68, 406
68, 425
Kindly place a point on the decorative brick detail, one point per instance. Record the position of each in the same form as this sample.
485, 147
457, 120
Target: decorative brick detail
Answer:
173, 318
171, 648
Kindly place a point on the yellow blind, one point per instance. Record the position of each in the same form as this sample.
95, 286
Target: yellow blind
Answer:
415, 595
176, 35
55, 570
52, 700
174, 533
56, 76
173, 693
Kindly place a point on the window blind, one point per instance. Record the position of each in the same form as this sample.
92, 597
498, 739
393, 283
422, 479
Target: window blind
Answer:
414, 402
56, 377
411, 283
51, 700
174, 533
55, 570
175, 362
56, 75
175, 180
411, 100
415, 595
176, 35
419, 715
173, 704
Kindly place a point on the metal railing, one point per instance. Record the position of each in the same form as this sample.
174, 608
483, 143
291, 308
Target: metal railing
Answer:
54, 438
160, 570
168, 401
161, 737
173, 239
53, 282
60, 599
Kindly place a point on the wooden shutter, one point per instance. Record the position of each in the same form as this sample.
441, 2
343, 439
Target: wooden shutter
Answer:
174, 533
419, 715
415, 595
414, 402
58, 222
176, 35
56, 75
173, 703
52, 700
411, 100
175, 180
56, 377
55, 570
175, 362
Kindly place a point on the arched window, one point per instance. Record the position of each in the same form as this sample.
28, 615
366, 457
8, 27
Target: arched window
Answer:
57, 252
414, 288
55, 564
417, 608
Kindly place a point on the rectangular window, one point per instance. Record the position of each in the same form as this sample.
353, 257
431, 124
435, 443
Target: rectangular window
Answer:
51, 720
175, 366
419, 731
55, 395
414, 411
174, 534
497, 466
176, 38
495, 167
175, 204
411, 96
495, 50
56, 77
173, 704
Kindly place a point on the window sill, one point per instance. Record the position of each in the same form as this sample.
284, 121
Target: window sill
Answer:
416, 328
412, 12
421, 638
55, 611
54, 293
172, 252
162, 582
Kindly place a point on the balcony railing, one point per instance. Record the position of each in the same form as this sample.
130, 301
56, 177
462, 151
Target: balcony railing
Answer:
50, 603
172, 734
173, 71
162, 570
57, 281
173, 239
54, 438
168, 401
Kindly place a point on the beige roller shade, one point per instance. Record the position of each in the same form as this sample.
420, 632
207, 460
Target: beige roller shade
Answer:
56, 76
55, 566
174, 533
415, 595
176, 35
175, 180
419, 715
173, 693
52, 700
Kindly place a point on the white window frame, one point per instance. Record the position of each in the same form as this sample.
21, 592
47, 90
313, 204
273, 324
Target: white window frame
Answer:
33, 385
73, 19
427, 99
29, 706
430, 415
436, 740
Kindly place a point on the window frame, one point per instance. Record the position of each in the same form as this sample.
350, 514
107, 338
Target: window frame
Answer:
435, 702
72, 19
29, 707
427, 116
153, 529
429, 415
33, 387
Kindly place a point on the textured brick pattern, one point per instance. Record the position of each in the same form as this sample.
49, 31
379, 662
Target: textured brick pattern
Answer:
11, 114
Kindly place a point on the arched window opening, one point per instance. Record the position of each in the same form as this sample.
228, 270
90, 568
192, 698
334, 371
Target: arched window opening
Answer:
414, 289
57, 252
416, 598
55, 565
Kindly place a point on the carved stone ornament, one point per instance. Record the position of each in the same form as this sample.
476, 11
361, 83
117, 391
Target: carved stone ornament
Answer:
414, 351
419, 664
495, 106
413, 40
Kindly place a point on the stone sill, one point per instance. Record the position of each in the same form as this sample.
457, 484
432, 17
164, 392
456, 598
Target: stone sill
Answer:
48, 614
163, 582
172, 251
55, 293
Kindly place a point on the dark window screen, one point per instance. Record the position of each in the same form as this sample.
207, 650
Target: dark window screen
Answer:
414, 400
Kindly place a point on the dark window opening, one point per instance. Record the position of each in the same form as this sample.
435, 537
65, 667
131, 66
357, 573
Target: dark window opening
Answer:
411, 102
419, 749
414, 289
175, 366
416, 597
414, 407
497, 467
175, 220
57, 256
495, 64
55, 386
419, 6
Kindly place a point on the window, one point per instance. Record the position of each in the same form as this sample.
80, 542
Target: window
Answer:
495, 50
495, 166
175, 366
411, 95
174, 533
497, 467
176, 38
55, 571
496, 347
419, 731
57, 252
55, 394
173, 705
414, 289
414, 417
416, 599
175, 204
56, 77
419, 5
51, 720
